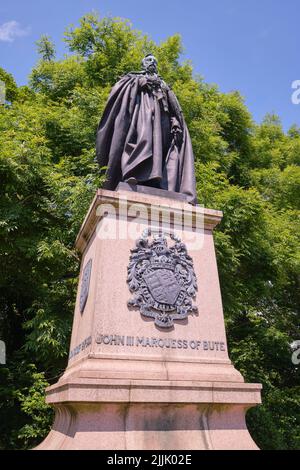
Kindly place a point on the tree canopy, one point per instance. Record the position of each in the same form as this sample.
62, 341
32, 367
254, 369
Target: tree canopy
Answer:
48, 177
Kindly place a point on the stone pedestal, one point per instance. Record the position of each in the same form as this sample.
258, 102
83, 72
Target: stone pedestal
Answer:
130, 384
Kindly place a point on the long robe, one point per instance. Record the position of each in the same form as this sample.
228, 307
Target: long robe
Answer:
142, 134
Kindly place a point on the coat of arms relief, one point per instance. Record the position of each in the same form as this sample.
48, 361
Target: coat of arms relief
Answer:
161, 276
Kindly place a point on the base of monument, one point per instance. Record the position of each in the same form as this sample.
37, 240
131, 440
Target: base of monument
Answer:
150, 415
129, 382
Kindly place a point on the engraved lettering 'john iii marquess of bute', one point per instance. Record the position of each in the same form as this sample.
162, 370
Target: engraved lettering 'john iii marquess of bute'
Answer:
162, 279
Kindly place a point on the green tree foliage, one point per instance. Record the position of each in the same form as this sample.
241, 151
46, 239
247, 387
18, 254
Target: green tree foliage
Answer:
46, 48
48, 178
10, 87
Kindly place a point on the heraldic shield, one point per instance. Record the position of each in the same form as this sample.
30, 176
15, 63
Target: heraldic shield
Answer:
162, 279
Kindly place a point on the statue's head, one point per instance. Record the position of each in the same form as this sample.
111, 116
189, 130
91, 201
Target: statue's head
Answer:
149, 63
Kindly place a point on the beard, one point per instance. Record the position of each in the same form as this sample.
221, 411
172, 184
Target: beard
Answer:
152, 69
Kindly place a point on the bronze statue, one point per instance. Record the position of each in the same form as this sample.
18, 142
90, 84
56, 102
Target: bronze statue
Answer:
142, 137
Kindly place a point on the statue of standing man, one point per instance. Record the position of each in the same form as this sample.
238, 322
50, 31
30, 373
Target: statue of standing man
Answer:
142, 137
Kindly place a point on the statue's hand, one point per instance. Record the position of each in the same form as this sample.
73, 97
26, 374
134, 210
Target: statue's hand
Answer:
176, 130
143, 82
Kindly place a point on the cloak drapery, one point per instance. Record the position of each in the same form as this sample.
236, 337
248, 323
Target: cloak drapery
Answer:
143, 135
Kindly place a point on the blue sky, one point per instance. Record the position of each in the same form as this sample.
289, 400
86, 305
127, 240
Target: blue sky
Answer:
246, 45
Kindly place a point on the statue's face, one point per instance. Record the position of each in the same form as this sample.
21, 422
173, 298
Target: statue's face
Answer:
150, 64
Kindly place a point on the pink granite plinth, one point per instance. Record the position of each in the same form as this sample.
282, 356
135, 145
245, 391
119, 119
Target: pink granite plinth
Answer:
128, 383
